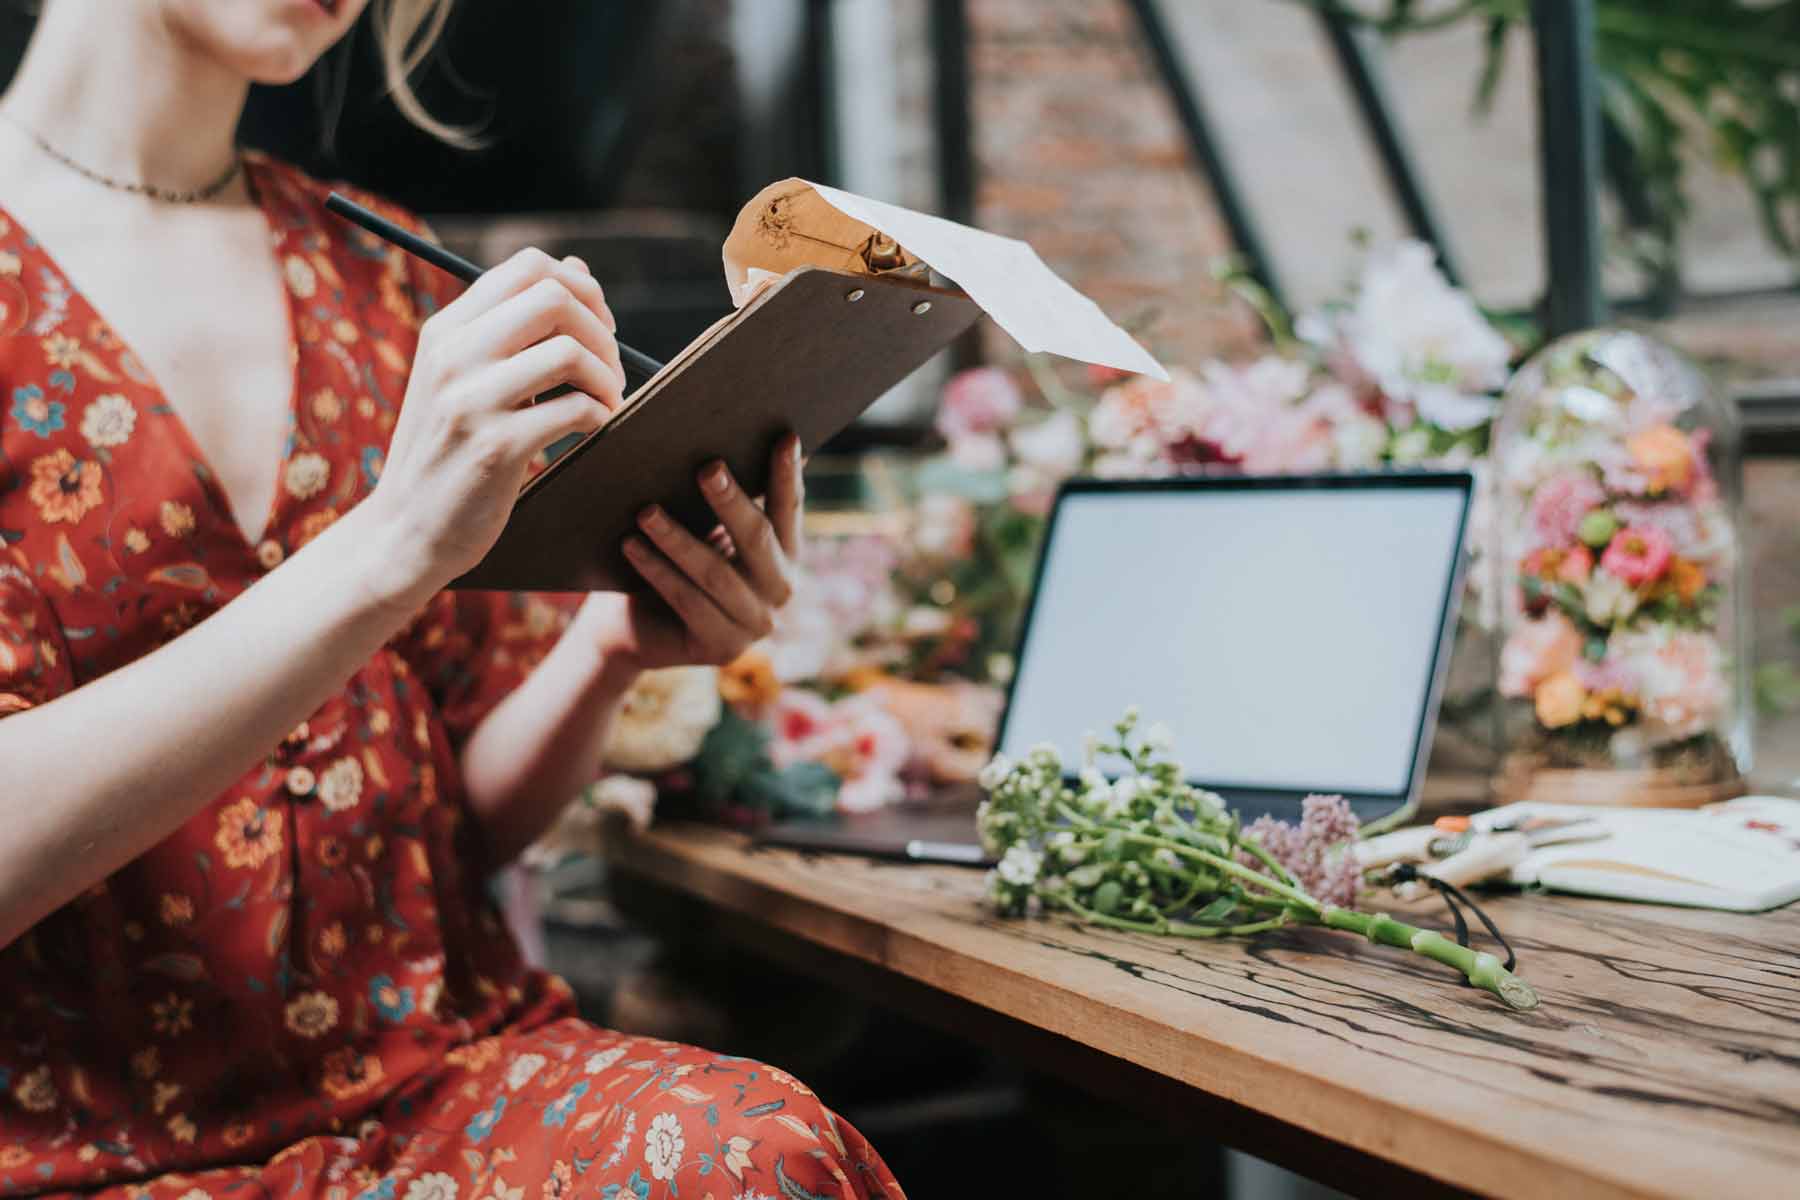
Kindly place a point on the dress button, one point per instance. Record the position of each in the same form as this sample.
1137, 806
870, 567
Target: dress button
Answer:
300, 781
269, 553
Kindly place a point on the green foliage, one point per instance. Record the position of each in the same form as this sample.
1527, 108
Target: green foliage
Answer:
1728, 70
733, 771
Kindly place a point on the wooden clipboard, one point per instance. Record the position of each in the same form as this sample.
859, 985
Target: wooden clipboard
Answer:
809, 354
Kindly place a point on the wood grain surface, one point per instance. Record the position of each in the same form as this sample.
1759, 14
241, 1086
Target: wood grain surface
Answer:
1664, 1060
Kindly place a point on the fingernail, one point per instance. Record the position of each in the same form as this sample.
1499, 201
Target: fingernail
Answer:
652, 518
715, 478
794, 447
633, 548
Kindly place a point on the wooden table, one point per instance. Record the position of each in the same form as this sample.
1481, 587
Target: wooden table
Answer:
1664, 1060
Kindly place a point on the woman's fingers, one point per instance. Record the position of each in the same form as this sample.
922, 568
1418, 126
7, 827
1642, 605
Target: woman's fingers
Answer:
710, 570
786, 491
760, 554
531, 429
505, 280
543, 310
537, 369
708, 629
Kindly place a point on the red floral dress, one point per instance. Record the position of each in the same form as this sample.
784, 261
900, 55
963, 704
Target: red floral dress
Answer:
305, 990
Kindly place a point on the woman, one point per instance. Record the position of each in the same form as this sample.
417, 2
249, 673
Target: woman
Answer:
256, 763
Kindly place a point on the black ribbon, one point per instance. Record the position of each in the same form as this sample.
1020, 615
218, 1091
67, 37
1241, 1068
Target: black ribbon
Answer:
1408, 873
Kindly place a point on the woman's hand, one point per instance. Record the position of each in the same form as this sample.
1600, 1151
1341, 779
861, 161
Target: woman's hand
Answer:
718, 596
468, 431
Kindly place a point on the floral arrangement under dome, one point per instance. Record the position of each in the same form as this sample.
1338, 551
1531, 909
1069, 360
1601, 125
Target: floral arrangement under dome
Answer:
1618, 556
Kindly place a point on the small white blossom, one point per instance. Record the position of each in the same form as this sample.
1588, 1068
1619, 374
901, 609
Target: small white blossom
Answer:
995, 772
1020, 865
1159, 737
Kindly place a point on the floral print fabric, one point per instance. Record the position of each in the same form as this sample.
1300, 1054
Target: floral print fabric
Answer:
306, 990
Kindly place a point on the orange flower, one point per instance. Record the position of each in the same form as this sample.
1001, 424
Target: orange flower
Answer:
36, 1091
238, 1132
347, 1073
63, 487
1665, 454
12, 1157
749, 682
177, 518
332, 940
1559, 700
313, 524
248, 834
172, 1016
476, 1056
177, 909
560, 1183
1687, 578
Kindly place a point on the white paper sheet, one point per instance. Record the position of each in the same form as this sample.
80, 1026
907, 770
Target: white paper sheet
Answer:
1009, 281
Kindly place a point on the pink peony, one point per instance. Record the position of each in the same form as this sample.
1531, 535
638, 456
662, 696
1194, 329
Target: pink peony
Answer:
981, 400
1680, 677
1537, 650
1559, 504
1638, 554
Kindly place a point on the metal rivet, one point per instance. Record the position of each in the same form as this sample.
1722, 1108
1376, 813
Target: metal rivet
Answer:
921, 308
854, 294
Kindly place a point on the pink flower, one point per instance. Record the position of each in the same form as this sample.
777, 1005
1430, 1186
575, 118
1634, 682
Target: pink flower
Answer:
1560, 503
804, 727
944, 526
1637, 554
1680, 677
862, 743
1537, 650
977, 401
1311, 849
1576, 565
869, 755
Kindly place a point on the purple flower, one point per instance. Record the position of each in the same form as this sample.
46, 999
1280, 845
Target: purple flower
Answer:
1308, 849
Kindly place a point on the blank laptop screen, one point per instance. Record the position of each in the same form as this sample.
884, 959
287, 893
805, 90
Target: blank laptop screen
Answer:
1286, 635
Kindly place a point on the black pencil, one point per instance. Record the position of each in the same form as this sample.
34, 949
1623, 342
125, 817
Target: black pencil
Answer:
639, 367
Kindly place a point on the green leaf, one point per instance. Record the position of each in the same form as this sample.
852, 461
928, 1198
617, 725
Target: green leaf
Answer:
803, 789
733, 751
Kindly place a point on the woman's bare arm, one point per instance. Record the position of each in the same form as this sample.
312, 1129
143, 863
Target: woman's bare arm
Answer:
542, 744
94, 778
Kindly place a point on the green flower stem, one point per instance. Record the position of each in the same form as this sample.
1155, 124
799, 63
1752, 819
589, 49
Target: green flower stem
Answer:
1482, 969
1165, 927
1263, 856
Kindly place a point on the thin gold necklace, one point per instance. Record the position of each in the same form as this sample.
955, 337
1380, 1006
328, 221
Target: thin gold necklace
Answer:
136, 188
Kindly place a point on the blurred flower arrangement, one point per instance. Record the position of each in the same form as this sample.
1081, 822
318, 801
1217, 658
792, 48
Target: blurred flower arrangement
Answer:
1616, 557
884, 673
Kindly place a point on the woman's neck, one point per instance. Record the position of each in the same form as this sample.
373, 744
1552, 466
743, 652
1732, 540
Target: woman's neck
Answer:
116, 90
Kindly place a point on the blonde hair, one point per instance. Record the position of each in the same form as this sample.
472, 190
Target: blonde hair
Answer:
406, 31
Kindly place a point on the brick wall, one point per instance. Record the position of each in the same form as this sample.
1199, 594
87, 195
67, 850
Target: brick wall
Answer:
1079, 152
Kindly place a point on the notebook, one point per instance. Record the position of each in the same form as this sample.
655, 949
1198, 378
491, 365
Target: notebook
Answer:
1742, 855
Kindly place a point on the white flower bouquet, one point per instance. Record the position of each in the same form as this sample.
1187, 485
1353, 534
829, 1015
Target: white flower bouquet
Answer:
1147, 852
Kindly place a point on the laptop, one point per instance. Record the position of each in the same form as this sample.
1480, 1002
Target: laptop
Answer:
1293, 632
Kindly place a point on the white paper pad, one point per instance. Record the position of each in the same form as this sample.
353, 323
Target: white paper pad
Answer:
1010, 283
